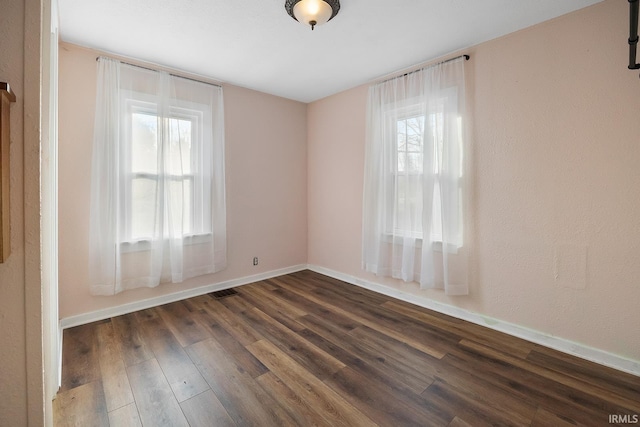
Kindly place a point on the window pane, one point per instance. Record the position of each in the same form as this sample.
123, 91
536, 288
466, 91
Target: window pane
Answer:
144, 143
436, 221
411, 142
435, 139
415, 130
187, 186
402, 135
408, 208
181, 206
400, 208
180, 146
402, 161
143, 208
410, 145
171, 161
414, 162
401, 145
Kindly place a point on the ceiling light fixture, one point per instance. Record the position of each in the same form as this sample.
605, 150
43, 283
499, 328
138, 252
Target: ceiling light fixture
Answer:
312, 12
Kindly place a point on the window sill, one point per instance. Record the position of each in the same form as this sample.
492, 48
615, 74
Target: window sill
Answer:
436, 245
144, 245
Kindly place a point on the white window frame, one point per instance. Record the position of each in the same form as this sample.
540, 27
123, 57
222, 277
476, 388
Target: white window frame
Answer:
140, 103
393, 116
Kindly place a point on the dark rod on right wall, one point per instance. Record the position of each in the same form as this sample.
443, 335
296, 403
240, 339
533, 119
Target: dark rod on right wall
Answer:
633, 34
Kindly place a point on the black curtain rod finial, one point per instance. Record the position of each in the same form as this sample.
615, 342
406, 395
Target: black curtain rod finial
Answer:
633, 34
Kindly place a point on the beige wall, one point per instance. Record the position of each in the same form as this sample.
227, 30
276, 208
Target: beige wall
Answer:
266, 176
557, 181
21, 379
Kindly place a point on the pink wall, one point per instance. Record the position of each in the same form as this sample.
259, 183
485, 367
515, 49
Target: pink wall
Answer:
557, 181
266, 172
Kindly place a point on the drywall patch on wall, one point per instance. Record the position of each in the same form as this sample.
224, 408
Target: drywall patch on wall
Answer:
570, 265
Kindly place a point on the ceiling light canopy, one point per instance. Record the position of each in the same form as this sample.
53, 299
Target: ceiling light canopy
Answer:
312, 12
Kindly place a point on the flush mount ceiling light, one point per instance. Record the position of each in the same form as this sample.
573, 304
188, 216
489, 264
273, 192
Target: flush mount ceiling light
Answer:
312, 12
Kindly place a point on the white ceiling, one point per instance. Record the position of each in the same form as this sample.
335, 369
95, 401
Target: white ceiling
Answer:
255, 44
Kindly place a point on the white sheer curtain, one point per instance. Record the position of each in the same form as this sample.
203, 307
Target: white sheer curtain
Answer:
415, 206
158, 185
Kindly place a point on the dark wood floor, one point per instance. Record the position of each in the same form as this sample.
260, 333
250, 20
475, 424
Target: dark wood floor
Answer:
305, 349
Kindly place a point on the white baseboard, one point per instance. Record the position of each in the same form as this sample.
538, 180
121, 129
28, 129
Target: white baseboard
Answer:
584, 352
560, 344
106, 313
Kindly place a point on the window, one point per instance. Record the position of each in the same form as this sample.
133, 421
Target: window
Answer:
416, 132
415, 199
178, 169
158, 210
408, 145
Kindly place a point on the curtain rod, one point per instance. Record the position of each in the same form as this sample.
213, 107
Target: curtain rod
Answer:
466, 58
157, 71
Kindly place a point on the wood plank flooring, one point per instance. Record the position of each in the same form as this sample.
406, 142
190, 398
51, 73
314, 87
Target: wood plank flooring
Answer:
308, 350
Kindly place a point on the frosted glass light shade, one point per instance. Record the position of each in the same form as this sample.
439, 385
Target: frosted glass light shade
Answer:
312, 12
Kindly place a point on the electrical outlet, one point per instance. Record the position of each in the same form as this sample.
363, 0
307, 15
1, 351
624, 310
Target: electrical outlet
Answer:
255, 260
